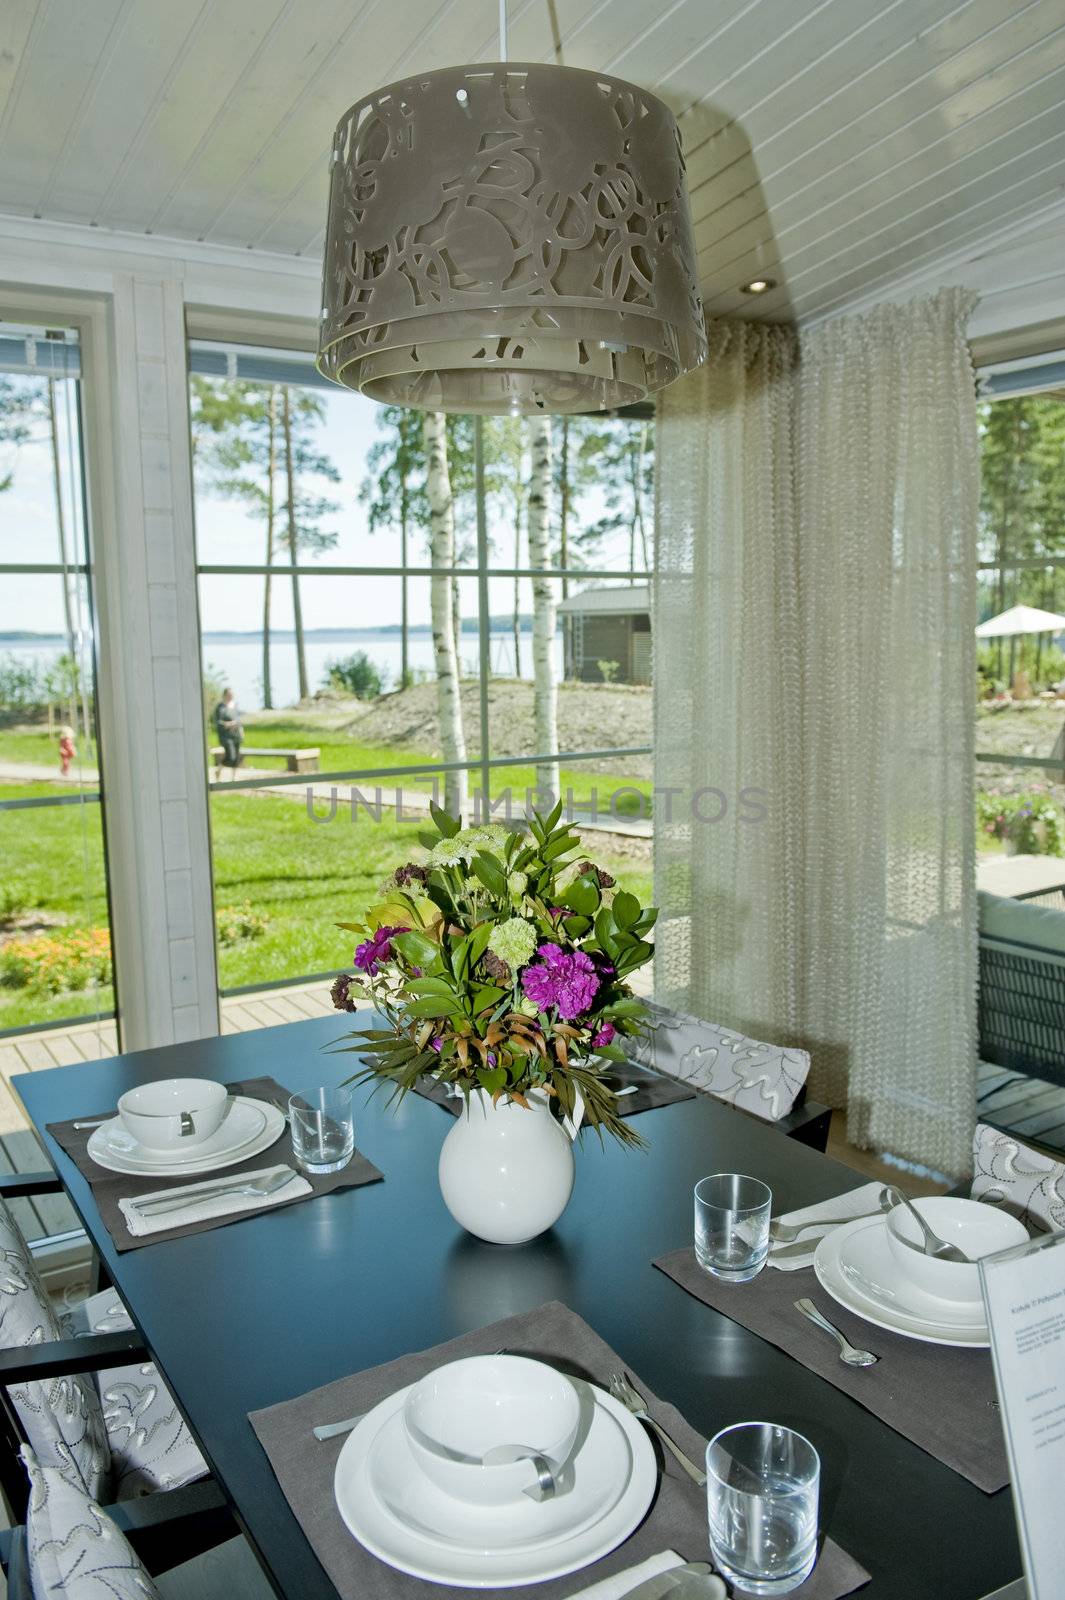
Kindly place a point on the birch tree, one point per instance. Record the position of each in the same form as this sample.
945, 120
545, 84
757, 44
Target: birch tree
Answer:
545, 689
445, 644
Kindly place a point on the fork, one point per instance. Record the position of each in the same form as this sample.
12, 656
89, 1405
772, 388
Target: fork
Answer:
788, 1232
622, 1390
257, 1190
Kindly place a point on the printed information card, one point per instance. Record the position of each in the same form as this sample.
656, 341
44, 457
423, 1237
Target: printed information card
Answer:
1024, 1293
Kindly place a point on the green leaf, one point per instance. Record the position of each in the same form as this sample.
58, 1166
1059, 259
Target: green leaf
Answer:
483, 995
446, 824
416, 948
434, 1008
626, 909
491, 874
583, 896
550, 822
576, 926
558, 847
429, 988
604, 931
479, 941
625, 1008
492, 1079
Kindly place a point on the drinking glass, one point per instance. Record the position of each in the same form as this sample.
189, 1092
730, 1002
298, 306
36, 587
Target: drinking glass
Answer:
761, 1496
732, 1225
323, 1129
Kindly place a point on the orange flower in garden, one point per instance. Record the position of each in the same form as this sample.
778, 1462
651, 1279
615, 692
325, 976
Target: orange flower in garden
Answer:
57, 962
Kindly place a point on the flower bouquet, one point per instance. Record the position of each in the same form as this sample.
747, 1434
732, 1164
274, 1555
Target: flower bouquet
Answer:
499, 964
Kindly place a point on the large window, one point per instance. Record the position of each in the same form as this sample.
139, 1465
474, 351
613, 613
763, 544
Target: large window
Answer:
321, 569
55, 946
1020, 732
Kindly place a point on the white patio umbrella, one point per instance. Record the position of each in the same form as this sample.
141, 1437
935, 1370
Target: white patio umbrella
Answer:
1020, 619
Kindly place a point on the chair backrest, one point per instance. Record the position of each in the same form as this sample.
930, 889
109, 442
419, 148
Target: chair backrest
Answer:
1021, 1013
74, 1550
765, 1079
1010, 1174
61, 1417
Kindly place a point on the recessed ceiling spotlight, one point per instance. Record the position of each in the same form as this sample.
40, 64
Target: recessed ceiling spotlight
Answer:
759, 286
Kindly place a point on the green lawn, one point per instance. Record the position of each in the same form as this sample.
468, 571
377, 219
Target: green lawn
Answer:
300, 876
53, 863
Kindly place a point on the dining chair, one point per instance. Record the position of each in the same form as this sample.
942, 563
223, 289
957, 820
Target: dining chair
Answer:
1024, 1181
767, 1080
87, 1400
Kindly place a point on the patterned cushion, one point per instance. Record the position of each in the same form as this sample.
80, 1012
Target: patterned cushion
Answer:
151, 1448
762, 1078
75, 1551
1008, 1173
62, 1417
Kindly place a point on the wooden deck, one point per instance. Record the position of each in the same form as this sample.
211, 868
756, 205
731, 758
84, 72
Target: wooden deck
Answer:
1028, 1107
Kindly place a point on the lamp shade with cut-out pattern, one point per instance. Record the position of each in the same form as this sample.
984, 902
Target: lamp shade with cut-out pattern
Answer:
509, 238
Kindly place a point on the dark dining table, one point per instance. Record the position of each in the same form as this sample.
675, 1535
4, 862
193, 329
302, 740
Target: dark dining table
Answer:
242, 1316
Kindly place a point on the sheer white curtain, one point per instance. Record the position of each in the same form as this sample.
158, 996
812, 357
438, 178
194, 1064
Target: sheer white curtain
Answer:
815, 606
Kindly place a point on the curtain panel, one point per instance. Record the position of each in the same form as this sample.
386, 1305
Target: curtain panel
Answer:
815, 606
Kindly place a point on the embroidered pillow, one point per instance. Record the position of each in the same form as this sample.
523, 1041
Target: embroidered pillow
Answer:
62, 1417
761, 1078
151, 1448
73, 1548
1010, 1174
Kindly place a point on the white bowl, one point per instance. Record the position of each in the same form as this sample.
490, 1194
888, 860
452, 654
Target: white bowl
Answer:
977, 1230
173, 1113
460, 1412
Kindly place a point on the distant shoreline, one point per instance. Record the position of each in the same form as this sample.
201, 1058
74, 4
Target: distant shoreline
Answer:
420, 630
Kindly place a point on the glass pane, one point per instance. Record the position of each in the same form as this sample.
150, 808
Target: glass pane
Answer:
55, 943
40, 470
287, 869
602, 667
611, 811
358, 479
355, 652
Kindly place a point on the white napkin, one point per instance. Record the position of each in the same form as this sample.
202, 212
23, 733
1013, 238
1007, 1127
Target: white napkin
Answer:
830, 1213
623, 1582
222, 1205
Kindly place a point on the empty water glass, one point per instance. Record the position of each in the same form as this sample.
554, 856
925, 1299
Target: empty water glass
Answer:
762, 1486
323, 1129
732, 1225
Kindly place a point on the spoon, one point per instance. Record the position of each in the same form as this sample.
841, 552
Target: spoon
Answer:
933, 1244
848, 1354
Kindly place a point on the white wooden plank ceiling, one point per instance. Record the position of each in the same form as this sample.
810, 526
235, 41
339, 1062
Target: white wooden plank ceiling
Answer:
832, 144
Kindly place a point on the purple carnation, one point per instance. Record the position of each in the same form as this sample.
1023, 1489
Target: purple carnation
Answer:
372, 954
605, 1035
567, 981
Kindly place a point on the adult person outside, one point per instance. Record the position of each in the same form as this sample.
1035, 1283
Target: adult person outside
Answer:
230, 733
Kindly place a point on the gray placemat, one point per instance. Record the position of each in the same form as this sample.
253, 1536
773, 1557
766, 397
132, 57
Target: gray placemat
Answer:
652, 1089
937, 1396
304, 1467
108, 1188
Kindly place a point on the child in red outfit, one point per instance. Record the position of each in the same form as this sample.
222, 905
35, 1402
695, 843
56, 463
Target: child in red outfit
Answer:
67, 752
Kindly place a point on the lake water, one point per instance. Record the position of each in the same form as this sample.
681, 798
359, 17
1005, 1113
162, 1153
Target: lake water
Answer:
238, 662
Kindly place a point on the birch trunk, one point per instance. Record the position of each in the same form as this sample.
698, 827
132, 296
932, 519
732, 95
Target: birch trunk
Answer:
64, 556
293, 545
271, 517
545, 689
517, 581
445, 645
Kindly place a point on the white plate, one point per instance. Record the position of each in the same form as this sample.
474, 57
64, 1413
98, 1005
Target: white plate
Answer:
402, 1518
855, 1265
249, 1127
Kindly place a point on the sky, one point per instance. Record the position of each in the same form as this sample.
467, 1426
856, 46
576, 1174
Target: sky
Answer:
227, 534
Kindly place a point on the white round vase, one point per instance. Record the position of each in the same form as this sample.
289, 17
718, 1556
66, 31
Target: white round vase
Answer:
506, 1173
